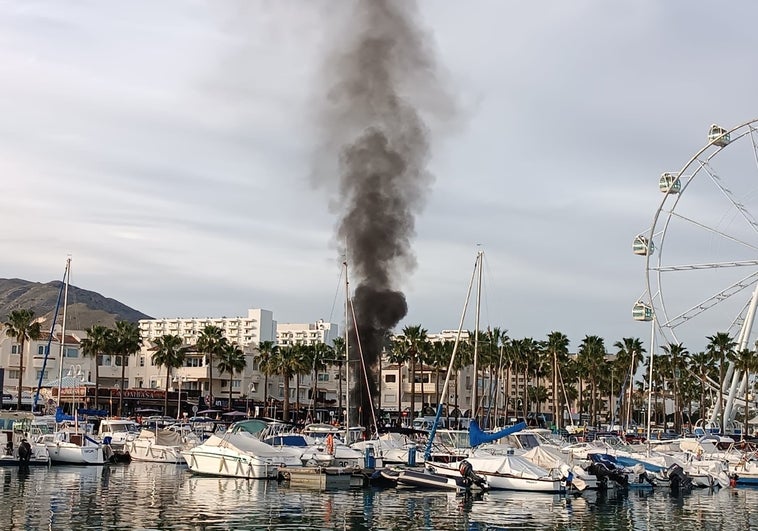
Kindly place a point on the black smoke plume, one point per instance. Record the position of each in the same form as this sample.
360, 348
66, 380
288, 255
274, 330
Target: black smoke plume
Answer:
382, 84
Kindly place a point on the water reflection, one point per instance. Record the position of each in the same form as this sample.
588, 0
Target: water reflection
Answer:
161, 496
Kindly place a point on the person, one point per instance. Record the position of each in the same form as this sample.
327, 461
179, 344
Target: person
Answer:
24, 451
9, 448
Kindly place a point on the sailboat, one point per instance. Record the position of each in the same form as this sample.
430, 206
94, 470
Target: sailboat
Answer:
69, 443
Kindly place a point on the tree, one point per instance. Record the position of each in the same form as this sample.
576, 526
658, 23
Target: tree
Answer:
266, 352
721, 346
701, 363
95, 345
170, 353
745, 361
232, 359
556, 347
416, 343
591, 357
629, 353
678, 356
22, 327
125, 342
285, 363
210, 342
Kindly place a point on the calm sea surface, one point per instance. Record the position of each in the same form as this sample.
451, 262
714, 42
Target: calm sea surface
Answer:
156, 496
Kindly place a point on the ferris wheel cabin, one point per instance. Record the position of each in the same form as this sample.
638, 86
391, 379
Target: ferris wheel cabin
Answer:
669, 183
642, 312
718, 136
642, 246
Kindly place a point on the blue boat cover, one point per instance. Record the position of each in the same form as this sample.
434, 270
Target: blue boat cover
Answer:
60, 416
476, 436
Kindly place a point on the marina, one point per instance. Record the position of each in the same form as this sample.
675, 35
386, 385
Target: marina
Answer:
143, 495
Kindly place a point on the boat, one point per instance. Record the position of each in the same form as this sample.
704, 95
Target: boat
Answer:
429, 478
17, 450
238, 453
71, 445
161, 446
117, 433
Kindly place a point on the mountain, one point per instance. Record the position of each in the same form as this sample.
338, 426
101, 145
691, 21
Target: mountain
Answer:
85, 308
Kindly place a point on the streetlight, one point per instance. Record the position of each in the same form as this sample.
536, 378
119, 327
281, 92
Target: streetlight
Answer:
250, 390
75, 371
179, 379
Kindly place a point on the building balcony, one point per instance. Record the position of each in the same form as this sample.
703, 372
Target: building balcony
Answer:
428, 388
198, 373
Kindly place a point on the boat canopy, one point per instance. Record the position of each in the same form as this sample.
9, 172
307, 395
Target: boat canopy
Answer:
476, 436
669, 183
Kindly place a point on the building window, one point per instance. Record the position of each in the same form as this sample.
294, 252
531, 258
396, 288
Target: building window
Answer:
223, 383
41, 350
390, 378
71, 352
323, 377
236, 384
40, 373
15, 349
106, 361
142, 361
154, 384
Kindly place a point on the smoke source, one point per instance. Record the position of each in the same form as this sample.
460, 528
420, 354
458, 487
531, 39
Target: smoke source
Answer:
381, 80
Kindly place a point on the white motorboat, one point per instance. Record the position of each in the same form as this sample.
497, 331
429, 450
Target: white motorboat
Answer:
16, 448
506, 472
161, 446
239, 454
117, 433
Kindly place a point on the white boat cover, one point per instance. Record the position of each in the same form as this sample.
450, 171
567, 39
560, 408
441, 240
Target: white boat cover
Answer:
162, 437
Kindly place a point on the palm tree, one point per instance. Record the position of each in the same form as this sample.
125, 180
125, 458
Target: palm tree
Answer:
210, 342
745, 361
232, 359
285, 363
266, 351
629, 353
94, 345
721, 346
556, 347
22, 327
169, 353
416, 343
320, 353
591, 356
678, 356
701, 363
125, 342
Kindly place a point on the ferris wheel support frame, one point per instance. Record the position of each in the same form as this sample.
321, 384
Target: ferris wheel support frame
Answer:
734, 382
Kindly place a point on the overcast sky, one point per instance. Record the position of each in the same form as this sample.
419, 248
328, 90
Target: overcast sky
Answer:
168, 147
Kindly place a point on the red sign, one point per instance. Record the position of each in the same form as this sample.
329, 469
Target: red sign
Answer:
140, 393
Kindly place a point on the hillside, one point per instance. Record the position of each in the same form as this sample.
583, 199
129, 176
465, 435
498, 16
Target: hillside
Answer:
85, 308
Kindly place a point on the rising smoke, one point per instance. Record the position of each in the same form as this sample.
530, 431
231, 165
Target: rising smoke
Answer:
383, 90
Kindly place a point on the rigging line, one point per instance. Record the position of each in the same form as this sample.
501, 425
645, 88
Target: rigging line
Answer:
336, 295
49, 341
363, 366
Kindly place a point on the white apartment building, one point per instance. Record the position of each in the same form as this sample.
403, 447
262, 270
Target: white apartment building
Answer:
258, 326
306, 333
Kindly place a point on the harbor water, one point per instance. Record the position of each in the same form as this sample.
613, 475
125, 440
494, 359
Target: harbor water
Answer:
158, 496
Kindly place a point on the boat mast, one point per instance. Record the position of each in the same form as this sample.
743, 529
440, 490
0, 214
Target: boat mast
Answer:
347, 356
475, 393
66, 279
50, 339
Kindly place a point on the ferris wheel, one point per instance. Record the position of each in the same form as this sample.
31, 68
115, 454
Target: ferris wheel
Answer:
701, 250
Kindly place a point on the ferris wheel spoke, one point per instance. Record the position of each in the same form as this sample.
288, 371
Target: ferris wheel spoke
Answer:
712, 230
729, 195
712, 265
712, 301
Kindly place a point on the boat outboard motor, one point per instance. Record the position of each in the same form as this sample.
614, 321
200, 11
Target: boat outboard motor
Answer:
24, 451
472, 478
679, 479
